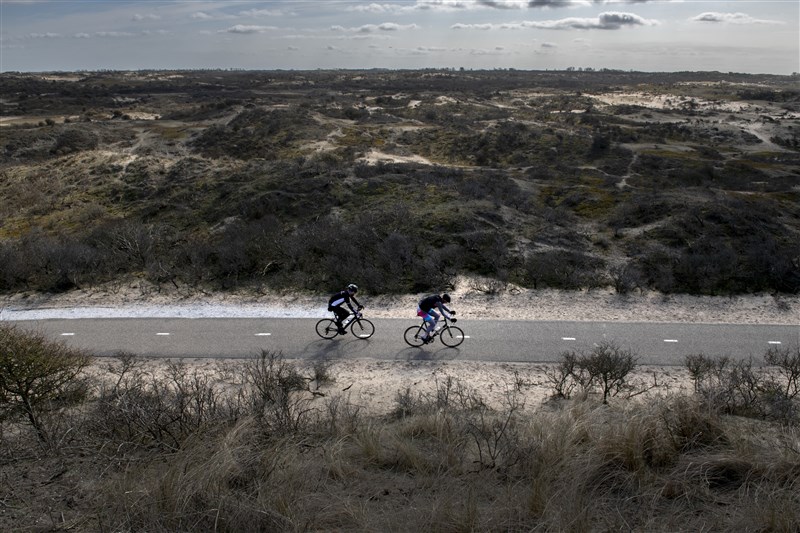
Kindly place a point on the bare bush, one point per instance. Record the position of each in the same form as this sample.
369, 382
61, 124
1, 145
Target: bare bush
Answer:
605, 368
341, 417
787, 360
608, 366
741, 388
563, 269
276, 393
626, 278
141, 407
497, 435
566, 375
702, 368
39, 378
449, 394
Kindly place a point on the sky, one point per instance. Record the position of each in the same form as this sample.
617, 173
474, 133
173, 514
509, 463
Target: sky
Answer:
747, 36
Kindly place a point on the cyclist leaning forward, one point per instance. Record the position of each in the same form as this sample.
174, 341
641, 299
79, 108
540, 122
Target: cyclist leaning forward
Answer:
336, 302
427, 310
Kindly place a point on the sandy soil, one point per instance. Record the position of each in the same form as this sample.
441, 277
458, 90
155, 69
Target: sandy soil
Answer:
472, 298
380, 387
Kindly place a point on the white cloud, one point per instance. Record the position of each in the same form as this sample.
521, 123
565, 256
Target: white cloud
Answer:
391, 26
604, 21
149, 16
376, 8
248, 29
633, 1
48, 35
731, 18
504, 4
614, 20
114, 34
460, 26
255, 13
202, 15
445, 5
525, 4
63, 37
372, 28
484, 52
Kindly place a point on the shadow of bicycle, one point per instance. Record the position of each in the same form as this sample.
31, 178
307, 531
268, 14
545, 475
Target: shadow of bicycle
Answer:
428, 353
343, 346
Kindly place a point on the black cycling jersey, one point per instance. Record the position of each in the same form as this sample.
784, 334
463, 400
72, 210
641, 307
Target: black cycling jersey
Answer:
342, 297
429, 302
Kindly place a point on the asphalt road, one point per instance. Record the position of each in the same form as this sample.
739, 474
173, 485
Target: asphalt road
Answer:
486, 340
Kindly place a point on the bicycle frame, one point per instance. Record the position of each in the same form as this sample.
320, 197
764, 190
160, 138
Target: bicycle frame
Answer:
364, 329
450, 335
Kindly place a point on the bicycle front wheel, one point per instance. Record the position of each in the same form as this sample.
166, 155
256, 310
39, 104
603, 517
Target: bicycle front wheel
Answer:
326, 328
451, 336
362, 328
412, 336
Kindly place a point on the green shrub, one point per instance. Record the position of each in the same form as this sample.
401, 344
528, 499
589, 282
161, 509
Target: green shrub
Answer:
38, 377
75, 140
563, 269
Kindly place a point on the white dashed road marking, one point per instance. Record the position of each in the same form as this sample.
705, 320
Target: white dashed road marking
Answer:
670, 340
773, 342
263, 334
67, 334
163, 334
567, 338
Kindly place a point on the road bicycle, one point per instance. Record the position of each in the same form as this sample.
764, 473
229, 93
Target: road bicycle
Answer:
450, 336
359, 326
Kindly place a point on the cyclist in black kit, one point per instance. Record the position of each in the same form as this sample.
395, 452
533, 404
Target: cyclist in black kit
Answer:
338, 300
427, 310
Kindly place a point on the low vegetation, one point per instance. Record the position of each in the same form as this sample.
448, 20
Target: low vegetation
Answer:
220, 180
270, 444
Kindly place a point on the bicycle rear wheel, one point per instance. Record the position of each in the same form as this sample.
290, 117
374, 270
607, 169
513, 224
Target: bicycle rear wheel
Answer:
412, 336
362, 328
326, 328
451, 336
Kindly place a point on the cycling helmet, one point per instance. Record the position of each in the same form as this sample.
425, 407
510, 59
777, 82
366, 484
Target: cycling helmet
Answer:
352, 287
446, 298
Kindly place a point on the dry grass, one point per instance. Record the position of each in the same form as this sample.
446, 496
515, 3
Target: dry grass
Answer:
442, 458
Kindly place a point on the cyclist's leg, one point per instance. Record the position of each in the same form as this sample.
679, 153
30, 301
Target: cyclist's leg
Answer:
430, 323
434, 320
425, 318
341, 315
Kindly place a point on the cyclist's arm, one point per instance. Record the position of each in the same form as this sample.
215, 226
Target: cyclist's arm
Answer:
445, 311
